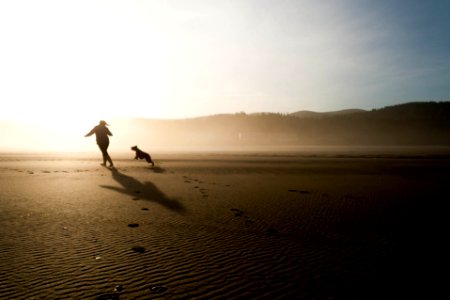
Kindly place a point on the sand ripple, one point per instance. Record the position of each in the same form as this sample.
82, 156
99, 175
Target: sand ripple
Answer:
256, 235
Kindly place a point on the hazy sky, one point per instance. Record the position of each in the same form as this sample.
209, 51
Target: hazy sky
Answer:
80, 60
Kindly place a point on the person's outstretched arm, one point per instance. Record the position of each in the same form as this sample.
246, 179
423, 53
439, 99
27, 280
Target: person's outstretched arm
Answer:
90, 132
108, 132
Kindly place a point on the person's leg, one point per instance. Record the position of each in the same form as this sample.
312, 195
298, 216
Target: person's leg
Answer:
106, 155
108, 158
103, 149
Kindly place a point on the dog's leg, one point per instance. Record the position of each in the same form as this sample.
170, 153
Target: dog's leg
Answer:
148, 158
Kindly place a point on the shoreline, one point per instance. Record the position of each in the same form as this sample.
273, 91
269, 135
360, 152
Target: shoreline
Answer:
299, 151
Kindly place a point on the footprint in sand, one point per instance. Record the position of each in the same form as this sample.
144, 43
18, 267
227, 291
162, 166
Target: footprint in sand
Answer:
248, 223
299, 191
144, 208
202, 190
237, 212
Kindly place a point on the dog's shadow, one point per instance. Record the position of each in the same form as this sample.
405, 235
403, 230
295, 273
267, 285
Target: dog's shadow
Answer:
143, 191
157, 169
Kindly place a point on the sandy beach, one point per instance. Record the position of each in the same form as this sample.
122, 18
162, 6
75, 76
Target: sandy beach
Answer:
213, 225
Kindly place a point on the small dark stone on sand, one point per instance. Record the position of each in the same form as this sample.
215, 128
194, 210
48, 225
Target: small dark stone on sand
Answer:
118, 289
133, 225
271, 231
108, 297
158, 289
138, 249
144, 208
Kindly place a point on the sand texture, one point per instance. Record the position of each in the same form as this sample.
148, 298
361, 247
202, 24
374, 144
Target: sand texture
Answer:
222, 226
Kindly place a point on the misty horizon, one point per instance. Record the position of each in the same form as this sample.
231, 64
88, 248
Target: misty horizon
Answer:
409, 124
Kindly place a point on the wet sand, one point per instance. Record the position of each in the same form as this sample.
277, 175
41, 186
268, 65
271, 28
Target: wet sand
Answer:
222, 226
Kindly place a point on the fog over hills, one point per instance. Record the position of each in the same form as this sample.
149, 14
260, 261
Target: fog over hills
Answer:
416, 123
419, 123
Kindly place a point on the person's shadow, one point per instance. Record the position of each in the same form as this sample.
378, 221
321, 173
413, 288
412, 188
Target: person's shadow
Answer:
143, 191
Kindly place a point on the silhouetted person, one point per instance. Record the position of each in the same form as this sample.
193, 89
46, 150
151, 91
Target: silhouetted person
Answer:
101, 133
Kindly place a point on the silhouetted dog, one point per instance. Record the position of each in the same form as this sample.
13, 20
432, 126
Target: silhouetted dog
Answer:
142, 155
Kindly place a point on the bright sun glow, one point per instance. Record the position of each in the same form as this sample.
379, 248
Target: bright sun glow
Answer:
69, 65
69, 61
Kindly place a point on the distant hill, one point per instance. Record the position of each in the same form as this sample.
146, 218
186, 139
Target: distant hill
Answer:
312, 114
418, 123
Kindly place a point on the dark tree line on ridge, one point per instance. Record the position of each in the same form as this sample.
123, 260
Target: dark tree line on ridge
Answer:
416, 123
